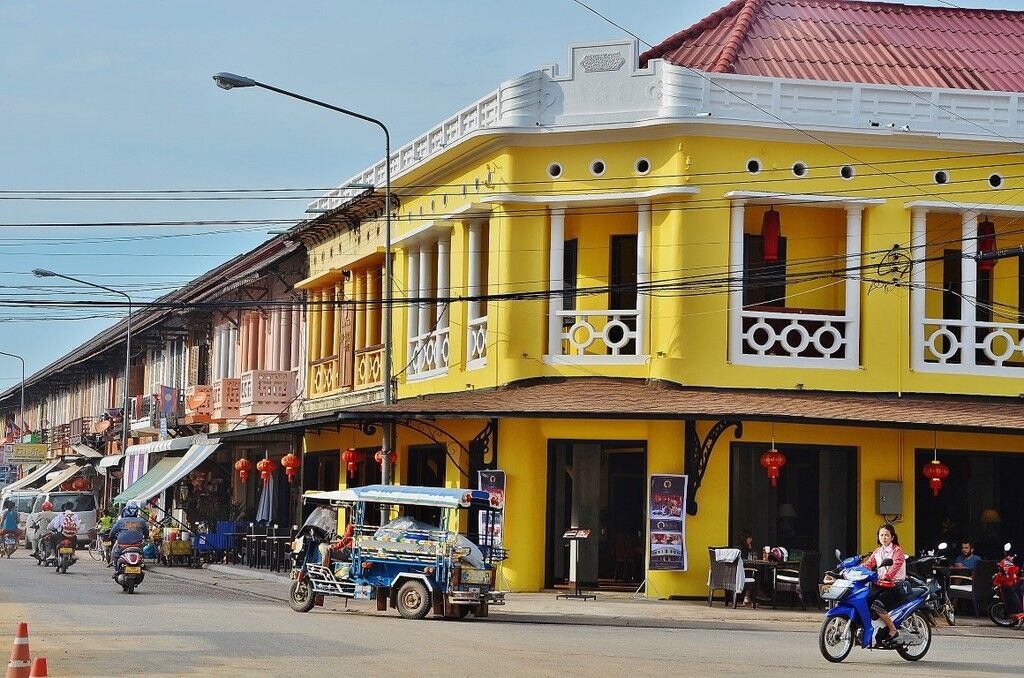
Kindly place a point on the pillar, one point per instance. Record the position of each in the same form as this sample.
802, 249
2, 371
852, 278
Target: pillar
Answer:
284, 338
296, 343
736, 280
374, 294
854, 225
556, 250
969, 287
313, 313
918, 239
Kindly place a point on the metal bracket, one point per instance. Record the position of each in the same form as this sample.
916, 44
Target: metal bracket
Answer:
698, 453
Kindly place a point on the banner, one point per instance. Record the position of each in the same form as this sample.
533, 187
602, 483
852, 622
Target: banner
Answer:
492, 525
28, 453
667, 512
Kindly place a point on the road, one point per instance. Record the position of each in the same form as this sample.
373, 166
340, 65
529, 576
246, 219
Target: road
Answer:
85, 626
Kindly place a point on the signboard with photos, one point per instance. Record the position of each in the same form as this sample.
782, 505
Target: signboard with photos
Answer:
492, 525
667, 516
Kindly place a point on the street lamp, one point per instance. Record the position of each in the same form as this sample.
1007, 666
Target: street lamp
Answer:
43, 273
21, 431
231, 81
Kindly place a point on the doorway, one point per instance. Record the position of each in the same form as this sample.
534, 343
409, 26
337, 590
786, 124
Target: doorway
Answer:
600, 486
426, 469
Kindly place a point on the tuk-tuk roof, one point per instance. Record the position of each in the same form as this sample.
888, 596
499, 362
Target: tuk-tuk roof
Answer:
404, 494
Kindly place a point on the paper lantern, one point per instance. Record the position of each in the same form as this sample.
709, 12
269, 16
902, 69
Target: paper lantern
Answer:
771, 231
243, 466
352, 459
291, 463
81, 484
266, 467
773, 460
935, 471
379, 457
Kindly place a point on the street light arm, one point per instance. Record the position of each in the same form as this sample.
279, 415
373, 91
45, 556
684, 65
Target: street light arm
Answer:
326, 105
92, 284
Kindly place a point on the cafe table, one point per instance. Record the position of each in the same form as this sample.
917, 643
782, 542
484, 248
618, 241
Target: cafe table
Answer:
765, 584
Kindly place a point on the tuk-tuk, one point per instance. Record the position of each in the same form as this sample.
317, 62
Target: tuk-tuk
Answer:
416, 561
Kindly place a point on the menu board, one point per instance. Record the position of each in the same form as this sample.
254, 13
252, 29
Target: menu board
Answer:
492, 523
667, 514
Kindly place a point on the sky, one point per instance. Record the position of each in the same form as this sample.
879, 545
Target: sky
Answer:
117, 96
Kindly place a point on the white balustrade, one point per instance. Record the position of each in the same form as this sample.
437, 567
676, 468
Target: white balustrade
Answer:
476, 343
428, 354
998, 347
609, 329
794, 338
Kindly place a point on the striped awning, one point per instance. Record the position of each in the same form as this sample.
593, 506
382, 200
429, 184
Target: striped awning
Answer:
166, 473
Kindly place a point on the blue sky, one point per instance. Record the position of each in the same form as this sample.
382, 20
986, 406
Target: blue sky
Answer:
118, 95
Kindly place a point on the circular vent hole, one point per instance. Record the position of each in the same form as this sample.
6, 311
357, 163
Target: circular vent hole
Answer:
995, 180
847, 171
799, 169
597, 168
554, 170
753, 165
642, 166
942, 177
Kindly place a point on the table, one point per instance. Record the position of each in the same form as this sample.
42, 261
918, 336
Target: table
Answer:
766, 570
276, 551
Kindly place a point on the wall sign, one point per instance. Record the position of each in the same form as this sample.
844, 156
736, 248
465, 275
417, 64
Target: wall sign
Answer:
667, 504
492, 525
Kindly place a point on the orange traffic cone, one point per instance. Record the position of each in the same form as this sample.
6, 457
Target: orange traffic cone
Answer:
19, 666
38, 667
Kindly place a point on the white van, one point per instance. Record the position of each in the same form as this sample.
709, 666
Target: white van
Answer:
82, 503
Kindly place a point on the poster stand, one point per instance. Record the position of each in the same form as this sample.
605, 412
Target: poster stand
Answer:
644, 586
574, 536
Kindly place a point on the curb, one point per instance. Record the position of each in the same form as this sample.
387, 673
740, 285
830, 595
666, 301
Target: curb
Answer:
251, 574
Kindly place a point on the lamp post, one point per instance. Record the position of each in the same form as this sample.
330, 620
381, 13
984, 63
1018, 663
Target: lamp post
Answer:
43, 273
231, 81
21, 430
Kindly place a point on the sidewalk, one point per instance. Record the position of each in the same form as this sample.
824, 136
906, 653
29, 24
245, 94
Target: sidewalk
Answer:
610, 609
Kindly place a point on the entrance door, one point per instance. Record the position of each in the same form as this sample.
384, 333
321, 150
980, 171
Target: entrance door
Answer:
600, 486
426, 469
812, 508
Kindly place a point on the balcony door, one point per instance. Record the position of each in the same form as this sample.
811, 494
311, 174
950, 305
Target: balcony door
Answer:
623, 282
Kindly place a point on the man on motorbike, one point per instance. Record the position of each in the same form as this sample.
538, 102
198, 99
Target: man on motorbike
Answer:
41, 542
129, 531
66, 524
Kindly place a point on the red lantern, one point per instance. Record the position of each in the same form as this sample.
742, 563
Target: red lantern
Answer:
773, 460
986, 244
379, 457
352, 458
243, 466
66, 486
266, 467
935, 471
81, 484
771, 231
291, 463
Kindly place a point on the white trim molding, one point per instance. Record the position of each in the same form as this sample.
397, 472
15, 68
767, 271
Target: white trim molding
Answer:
593, 199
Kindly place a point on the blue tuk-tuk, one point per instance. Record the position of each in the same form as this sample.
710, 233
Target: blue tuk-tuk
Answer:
399, 545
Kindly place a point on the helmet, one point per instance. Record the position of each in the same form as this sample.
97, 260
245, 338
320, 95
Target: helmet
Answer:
131, 510
47, 506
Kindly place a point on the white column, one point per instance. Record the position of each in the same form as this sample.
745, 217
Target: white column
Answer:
918, 238
215, 352
643, 273
297, 335
854, 221
969, 287
424, 289
736, 280
412, 286
284, 334
274, 340
556, 250
475, 266
443, 274
232, 365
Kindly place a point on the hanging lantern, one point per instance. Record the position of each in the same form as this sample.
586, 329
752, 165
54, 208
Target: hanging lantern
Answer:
986, 244
67, 486
81, 484
352, 459
243, 466
379, 457
773, 460
771, 231
935, 471
266, 467
291, 463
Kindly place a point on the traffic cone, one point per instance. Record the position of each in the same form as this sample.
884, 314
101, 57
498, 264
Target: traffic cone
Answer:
19, 666
38, 668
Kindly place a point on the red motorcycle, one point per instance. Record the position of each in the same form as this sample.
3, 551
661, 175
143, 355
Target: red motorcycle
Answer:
1007, 581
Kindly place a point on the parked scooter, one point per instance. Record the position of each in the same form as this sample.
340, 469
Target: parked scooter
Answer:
925, 568
65, 554
1007, 577
850, 621
128, 573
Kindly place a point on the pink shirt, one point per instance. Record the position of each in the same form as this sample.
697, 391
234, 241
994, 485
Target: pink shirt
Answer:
897, 571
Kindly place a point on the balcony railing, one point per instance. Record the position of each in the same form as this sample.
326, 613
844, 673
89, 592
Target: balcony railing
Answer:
199, 404
145, 416
794, 337
476, 343
428, 354
599, 334
323, 376
226, 397
369, 370
265, 392
957, 346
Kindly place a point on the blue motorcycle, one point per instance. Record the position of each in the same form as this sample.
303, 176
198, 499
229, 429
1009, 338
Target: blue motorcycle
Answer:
848, 619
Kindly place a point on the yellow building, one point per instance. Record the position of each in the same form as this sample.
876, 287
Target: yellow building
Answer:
591, 289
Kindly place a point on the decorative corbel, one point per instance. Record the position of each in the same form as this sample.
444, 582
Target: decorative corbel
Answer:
698, 453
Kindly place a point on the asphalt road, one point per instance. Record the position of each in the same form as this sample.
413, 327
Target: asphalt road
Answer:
85, 626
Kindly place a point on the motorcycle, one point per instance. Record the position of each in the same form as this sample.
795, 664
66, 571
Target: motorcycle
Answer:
128, 573
849, 620
65, 554
1008, 575
927, 567
45, 554
10, 544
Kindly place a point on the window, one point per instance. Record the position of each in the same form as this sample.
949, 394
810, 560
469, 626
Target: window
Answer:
764, 283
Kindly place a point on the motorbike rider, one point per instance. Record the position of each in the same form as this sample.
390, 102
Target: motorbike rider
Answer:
884, 594
42, 543
9, 521
66, 524
129, 531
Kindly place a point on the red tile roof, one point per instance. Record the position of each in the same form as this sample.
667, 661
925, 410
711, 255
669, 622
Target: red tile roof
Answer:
616, 398
853, 41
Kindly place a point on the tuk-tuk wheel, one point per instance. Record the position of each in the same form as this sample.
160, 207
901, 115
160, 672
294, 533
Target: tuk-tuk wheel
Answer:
301, 597
413, 599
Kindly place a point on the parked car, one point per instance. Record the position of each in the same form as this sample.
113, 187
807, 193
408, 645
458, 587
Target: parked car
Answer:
23, 501
83, 504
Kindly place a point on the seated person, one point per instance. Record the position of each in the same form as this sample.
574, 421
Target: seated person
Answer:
967, 558
340, 550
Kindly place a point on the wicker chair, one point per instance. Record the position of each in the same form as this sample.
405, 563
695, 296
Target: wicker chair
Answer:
976, 588
723, 576
801, 579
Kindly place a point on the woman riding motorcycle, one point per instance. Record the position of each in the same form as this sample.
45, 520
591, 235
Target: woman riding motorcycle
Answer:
128, 532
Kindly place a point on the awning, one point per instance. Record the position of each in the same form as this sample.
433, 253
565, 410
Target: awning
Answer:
32, 478
86, 451
111, 460
166, 473
61, 478
169, 445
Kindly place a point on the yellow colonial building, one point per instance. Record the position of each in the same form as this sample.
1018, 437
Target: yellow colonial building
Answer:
672, 263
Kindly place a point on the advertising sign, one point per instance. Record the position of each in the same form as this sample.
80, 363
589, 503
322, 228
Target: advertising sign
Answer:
667, 514
27, 453
491, 524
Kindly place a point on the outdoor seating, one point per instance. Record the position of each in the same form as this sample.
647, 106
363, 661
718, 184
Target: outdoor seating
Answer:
799, 578
750, 584
725, 575
975, 586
